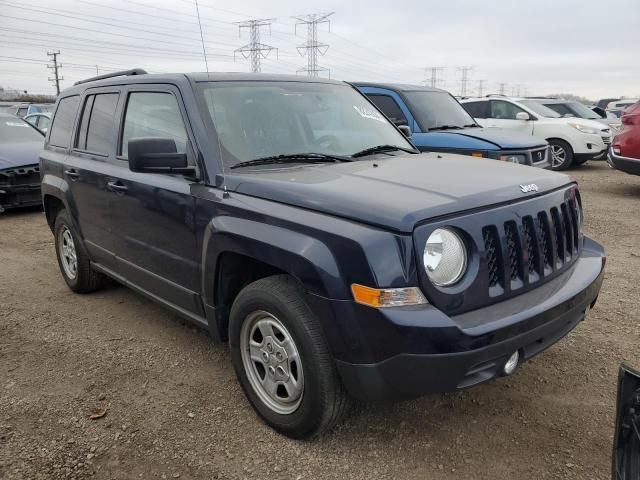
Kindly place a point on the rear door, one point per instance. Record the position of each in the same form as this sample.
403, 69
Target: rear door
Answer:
153, 214
502, 114
87, 169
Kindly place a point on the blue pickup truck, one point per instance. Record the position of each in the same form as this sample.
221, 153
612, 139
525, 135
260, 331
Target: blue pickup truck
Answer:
439, 123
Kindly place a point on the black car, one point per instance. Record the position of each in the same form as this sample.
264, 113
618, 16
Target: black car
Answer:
20, 147
291, 219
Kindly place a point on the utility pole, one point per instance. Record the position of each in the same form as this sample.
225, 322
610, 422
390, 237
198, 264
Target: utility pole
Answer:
55, 67
312, 48
481, 87
97, 70
464, 79
502, 88
254, 49
434, 80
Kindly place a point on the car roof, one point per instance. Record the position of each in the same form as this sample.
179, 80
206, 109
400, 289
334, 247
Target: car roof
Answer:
398, 87
194, 77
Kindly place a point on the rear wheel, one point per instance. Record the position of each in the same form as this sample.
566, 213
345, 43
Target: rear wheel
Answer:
282, 359
73, 259
561, 154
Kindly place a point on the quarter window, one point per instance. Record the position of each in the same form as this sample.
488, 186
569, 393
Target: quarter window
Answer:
504, 110
390, 108
63, 120
96, 125
153, 114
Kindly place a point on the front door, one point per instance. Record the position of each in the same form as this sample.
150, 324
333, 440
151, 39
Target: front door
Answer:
152, 215
502, 114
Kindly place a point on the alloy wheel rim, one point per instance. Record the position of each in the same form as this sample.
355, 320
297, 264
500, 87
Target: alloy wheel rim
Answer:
558, 155
68, 255
272, 362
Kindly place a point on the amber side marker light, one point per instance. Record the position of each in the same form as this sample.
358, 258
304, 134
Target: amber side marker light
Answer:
387, 297
477, 154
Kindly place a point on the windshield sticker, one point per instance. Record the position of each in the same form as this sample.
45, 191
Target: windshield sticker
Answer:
15, 124
369, 113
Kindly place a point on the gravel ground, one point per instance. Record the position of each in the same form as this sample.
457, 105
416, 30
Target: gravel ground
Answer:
174, 409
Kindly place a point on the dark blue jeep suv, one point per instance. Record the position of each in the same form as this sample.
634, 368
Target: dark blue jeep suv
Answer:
438, 123
290, 218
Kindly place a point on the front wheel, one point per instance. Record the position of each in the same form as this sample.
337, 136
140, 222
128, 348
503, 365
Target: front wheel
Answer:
561, 154
282, 359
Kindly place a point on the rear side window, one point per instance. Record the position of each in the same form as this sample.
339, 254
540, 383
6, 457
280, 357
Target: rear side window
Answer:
96, 126
153, 114
390, 108
62, 126
476, 109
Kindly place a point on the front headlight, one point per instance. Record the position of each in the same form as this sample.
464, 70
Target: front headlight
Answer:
521, 159
584, 129
445, 257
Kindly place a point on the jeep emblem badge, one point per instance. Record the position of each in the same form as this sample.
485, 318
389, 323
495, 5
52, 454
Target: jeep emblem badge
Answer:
531, 187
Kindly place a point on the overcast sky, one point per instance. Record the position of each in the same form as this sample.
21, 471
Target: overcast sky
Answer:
585, 47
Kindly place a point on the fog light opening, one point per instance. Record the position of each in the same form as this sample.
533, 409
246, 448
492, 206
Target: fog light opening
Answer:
511, 364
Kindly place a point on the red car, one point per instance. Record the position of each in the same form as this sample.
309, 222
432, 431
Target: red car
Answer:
624, 153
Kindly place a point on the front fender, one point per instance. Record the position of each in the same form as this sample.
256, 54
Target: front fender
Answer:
307, 259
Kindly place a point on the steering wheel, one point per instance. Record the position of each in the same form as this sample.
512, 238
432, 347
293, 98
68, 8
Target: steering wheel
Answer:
330, 141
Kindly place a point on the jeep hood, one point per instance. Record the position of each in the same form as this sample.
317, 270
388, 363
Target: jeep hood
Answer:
395, 192
477, 139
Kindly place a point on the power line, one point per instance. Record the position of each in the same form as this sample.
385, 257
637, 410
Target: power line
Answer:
481, 87
255, 50
434, 80
55, 67
464, 79
312, 48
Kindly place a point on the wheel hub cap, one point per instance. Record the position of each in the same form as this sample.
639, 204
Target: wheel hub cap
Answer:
558, 155
67, 250
272, 362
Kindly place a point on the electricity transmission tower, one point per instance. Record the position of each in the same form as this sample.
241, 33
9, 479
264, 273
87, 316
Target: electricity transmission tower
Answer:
464, 79
434, 80
481, 87
312, 47
56, 68
502, 88
254, 49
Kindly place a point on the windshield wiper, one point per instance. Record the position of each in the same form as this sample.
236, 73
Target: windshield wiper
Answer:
381, 149
447, 127
293, 158
472, 125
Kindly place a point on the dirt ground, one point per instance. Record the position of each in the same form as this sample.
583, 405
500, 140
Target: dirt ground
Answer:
174, 409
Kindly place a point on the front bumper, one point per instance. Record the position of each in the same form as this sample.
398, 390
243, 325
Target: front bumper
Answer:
624, 164
14, 196
440, 353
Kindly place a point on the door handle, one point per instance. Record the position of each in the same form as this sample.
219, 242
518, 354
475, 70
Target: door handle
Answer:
72, 173
117, 187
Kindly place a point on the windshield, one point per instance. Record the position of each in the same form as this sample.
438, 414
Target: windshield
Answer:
582, 110
540, 109
262, 119
434, 110
15, 130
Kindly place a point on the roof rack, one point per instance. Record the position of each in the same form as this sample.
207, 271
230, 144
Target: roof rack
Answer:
495, 95
123, 73
541, 97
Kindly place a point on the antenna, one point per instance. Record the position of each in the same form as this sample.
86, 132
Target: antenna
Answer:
204, 50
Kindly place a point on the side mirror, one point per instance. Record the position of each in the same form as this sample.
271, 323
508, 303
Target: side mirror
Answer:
406, 131
157, 155
523, 116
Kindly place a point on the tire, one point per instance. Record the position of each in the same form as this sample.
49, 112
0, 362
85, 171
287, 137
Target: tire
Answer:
83, 278
560, 147
312, 398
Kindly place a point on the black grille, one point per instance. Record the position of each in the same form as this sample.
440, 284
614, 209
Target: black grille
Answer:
528, 231
490, 234
26, 175
544, 242
513, 251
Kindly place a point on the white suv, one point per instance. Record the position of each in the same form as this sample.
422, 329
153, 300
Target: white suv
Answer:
572, 140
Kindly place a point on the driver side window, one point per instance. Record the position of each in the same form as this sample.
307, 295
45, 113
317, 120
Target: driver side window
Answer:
502, 110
